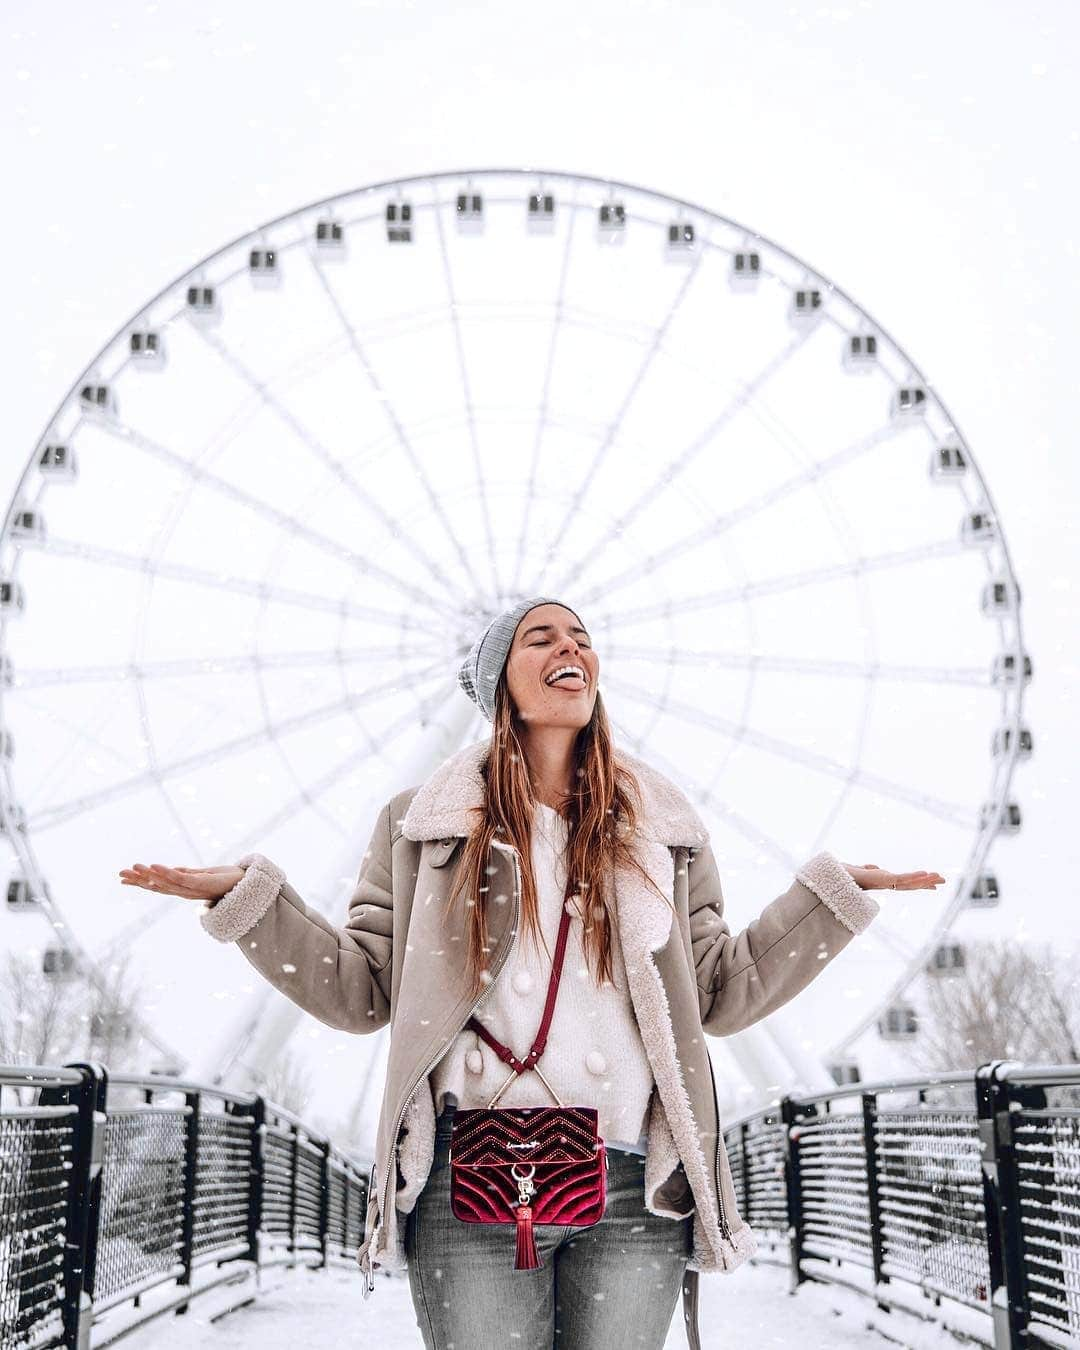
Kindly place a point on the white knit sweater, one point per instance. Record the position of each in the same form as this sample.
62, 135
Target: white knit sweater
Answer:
594, 1054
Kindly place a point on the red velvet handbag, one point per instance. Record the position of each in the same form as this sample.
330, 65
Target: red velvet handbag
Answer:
531, 1164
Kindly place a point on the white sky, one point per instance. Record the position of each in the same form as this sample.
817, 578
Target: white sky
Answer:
923, 156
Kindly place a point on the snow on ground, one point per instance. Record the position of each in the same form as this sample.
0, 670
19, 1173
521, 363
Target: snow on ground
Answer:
751, 1306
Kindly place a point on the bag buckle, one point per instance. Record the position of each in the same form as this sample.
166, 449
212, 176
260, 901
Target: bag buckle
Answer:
524, 1182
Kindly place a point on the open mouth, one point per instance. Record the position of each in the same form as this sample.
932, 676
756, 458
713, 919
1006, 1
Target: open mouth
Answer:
571, 682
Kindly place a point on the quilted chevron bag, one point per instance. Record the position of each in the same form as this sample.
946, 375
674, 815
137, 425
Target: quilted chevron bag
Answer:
533, 1164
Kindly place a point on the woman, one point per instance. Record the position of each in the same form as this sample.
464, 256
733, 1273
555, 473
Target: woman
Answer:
650, 967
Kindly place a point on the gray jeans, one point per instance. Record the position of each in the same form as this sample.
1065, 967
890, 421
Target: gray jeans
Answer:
612, 1286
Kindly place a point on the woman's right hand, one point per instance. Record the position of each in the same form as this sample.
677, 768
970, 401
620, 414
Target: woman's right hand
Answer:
193, 883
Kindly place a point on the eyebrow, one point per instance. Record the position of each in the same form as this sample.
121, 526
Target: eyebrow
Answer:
547, 627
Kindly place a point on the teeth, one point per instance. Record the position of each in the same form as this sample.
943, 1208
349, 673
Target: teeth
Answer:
562, 670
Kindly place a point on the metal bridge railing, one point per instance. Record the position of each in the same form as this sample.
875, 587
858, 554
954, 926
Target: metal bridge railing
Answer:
113, 1185
962, 1188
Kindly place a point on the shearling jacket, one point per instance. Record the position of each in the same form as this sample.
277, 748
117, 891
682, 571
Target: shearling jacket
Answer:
398, 959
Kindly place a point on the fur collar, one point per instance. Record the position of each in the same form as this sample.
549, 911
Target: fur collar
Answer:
442, 805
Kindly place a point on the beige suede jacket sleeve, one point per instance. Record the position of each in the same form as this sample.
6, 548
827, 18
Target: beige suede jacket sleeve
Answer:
339, 975
342, 975
741, 978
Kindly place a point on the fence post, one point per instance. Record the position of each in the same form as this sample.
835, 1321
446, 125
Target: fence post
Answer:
790, 1112
324, 1201
256, 1179
193, 1102
873, 1194
84, 1194
294, 1169
744, 1172
1001, 1194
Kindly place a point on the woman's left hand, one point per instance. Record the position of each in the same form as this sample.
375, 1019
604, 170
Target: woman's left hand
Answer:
870, 877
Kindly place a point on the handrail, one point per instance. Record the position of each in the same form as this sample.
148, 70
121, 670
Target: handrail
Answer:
180, 1085
949, 1079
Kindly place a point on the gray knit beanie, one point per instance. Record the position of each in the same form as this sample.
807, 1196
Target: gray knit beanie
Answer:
483, 665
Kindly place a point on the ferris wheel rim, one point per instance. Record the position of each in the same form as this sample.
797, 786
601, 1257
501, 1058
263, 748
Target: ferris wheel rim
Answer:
985, 839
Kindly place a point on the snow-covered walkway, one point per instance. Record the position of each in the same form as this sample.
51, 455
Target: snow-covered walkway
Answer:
309, 1309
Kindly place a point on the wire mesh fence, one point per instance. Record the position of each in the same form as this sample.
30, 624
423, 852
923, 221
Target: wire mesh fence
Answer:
963, 1186
111, 1186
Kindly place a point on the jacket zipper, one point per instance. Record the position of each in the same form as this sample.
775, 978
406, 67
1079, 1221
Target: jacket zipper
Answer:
443, 1049
725, 1227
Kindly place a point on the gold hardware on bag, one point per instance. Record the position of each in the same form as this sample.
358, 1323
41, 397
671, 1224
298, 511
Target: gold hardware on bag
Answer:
513, 1075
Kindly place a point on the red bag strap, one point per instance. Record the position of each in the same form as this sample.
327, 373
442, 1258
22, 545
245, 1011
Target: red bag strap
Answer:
504, 1052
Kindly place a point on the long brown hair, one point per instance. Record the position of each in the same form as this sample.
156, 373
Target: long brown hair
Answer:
601, 811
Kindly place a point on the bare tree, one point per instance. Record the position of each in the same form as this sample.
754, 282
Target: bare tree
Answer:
53, 1019
1010, 1000
288, 1083
348, 1129
39, 1021
109, 1017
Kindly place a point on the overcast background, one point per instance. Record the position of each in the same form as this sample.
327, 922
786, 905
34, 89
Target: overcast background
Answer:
923, 156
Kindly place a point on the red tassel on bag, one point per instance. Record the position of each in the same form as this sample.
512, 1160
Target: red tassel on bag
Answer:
526, 1257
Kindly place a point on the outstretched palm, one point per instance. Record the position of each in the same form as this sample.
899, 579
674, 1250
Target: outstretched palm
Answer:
870, 877
193, 883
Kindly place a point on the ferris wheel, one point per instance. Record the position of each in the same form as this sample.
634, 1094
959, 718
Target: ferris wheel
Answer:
256, 537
